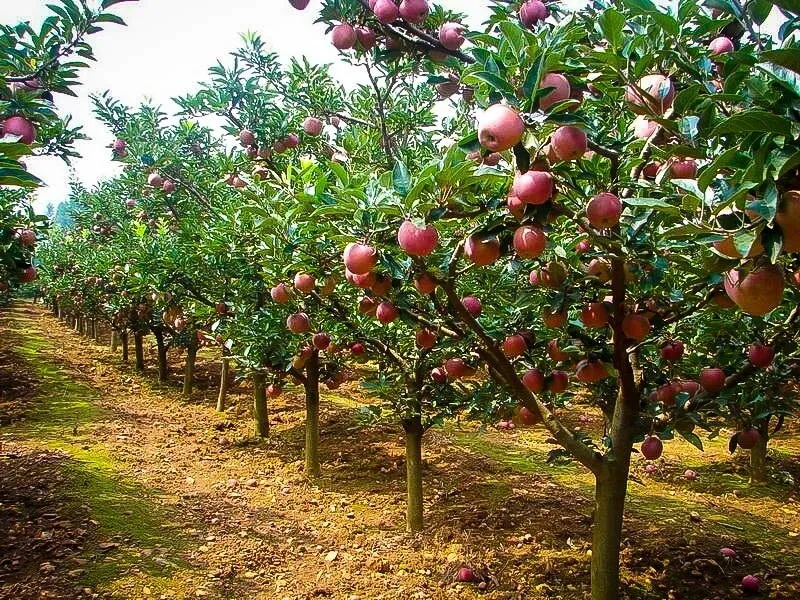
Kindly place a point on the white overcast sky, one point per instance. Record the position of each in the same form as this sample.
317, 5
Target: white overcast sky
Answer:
164, 52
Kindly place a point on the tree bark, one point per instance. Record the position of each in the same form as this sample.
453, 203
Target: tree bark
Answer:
311, 385
224, 381
163, 371
95, 330
260, 405
138, 342
124, 339
758, 456
413, 434
610, 490
188, 375
114, 340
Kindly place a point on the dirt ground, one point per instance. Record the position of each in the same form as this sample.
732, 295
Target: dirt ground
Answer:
112, 486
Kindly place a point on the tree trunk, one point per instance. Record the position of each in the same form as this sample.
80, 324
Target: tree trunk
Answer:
311, 385
413, 432
188, 375
260, 405
138, 342
123, 337
610, 490
114, 340
224, 381
163, 371
758, 456
59, 312
95, 330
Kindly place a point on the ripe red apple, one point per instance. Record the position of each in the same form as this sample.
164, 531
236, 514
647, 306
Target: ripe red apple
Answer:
554, 319
386, 312
555, 353
712, 380
367, 306
120, 146
761, 355
533, 187
299, 4
439, 375
221, 308
492, 159
298, 323
748, 438
304, 283
722, 300
280, 293
22, 127
465, 575
758, 292
425, 284
274, 390
689, 475
312, 126
168, 186
532, 12
659, 93
500, 128
155, 180
651, 170
750, 584
672, 351
788, 217
321, 340
473, 305
456, 367
28, 274
425, 338
643, 127
600, 268
594, 315
604, 210
343, 37
727, 247
482, 251
591, 371
366, 39
720, 45
382, 285
514, 345
529, 241
534, 380
386, 11
516, 207
360, 259
684, 169
561, 90
365, 281
727, 553
247, 137
26, 237
414, 11
417, 241
451, 36
796, 277
636, 327
559, 381
652, 447
527, 417
569, 142
130, 203
357, 349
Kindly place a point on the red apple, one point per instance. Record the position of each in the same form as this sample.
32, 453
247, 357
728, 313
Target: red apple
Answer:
750, 584
414, 11
386, 312
748, 438
155, 180
247, 137
417, 241
554, 319
304, 283
594, 315
534, 380
555, 353
559, 381
514, 345
365, 281
672, 351
532, 12
500, 128
473, 305
451, 36
712, 380
684, 169
758, 292
636, 327
299, 4
482, 251
527, 417
298, 323
280, 293
529, 241
439, 375
654, 94
425, 338
720, 45
760, 355
604, 210
561, 90
357, 349
312, 126
568, 142
386, 11
533, 187
382, 285
360, 259
343, 37
274, 390
425, 284
652, 447
366, 39
22, 127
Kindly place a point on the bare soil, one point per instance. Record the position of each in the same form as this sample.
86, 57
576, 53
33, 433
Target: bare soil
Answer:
112, 486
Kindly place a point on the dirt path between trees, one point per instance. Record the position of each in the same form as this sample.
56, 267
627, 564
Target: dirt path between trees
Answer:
114, 487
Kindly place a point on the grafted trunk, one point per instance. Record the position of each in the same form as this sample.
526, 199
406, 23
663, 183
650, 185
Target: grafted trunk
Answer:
123, 337
260, 405
188, 375
138, 342
163, 371
413, 433
311, 385
224, 380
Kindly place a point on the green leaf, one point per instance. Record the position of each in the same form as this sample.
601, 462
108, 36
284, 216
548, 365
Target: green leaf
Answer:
754, 120
715, 166
692, 438
495, 82
792, 6
785, 57
401, 178
655, 204
18, 177
645, 7
109, 18
611, 24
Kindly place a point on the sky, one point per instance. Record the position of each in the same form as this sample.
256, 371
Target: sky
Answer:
164, 52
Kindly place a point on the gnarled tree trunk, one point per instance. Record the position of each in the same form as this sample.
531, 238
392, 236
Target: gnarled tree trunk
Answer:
114, 340
758, 456
123, 337
311, 385
260, 405
138, 342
